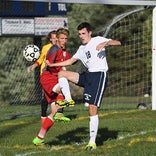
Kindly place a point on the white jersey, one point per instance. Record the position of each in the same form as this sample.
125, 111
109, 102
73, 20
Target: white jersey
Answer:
94, 60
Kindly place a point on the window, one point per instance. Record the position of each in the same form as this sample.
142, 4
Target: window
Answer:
5, 5
28, 6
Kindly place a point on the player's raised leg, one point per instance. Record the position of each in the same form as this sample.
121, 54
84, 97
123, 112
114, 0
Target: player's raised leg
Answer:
63, 78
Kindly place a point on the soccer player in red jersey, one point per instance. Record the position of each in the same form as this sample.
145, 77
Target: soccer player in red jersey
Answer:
50, 84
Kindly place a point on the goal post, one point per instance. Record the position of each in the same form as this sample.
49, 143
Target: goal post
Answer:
154, 60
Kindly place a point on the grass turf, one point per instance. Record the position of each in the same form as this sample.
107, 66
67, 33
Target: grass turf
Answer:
128, 132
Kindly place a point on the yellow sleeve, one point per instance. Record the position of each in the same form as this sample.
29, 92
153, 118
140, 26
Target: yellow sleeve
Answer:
42, 57
43, 53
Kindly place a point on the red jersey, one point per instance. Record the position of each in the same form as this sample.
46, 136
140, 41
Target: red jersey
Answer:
48, 78
54, 55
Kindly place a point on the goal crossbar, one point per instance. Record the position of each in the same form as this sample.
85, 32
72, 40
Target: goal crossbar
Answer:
112, 2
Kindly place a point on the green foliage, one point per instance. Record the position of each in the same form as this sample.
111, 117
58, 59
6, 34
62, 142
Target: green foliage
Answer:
98, 15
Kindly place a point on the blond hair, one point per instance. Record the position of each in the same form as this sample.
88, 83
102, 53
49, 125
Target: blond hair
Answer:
62, 31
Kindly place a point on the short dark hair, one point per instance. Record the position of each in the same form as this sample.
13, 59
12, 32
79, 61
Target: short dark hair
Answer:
84, 25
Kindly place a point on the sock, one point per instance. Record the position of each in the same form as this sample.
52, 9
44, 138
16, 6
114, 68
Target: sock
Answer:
60, 97
94, 122
45, 127
64, 85
44, 107
43, 119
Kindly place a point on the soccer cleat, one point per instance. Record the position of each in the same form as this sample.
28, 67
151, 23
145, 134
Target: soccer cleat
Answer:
60, 117
91, 146
37, 141
65, 103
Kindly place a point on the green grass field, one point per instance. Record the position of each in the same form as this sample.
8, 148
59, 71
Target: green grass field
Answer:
122, 132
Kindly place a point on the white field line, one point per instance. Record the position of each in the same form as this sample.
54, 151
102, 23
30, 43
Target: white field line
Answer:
28, 153
33, 152
134, 134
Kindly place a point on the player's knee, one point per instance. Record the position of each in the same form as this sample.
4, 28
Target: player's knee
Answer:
61, 74
92, 110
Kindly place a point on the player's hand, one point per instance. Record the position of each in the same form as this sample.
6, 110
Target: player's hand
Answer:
32, 67
48, 63
29, 69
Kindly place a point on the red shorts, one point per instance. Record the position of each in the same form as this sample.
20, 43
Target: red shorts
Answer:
48, 81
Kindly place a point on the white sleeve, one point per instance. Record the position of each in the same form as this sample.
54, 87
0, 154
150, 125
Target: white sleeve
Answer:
77, 55
103, 39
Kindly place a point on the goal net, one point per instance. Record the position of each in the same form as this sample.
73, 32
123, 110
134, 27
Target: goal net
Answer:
130, 64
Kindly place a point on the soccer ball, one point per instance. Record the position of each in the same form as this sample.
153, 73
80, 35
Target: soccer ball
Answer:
31, 53
142, 106
86, 104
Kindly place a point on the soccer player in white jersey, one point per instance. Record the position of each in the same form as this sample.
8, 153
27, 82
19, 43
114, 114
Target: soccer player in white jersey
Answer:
93, 56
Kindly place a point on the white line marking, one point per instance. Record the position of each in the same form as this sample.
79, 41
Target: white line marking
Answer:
28, 153
135, 134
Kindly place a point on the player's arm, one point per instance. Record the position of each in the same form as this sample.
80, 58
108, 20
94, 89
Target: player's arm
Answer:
108, 43
63, 64
32, 67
